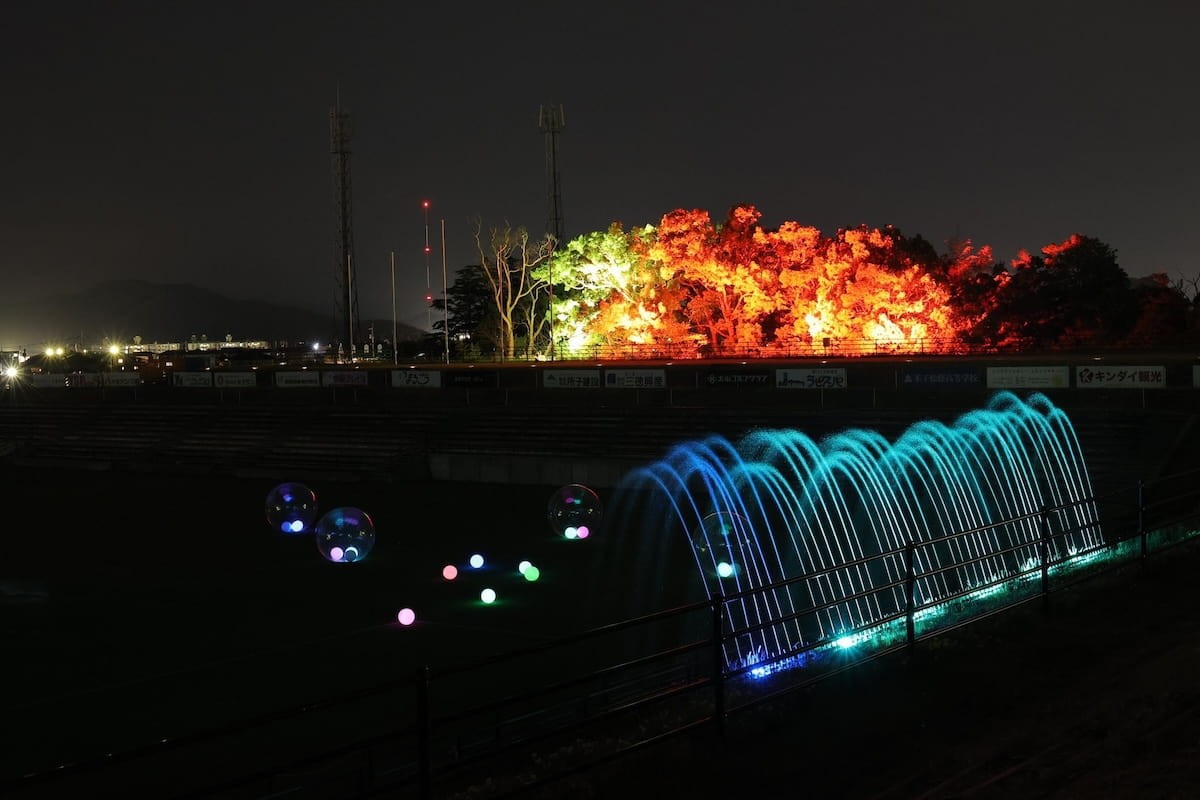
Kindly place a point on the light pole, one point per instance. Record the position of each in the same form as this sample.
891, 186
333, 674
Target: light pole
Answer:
445, 304
395, 357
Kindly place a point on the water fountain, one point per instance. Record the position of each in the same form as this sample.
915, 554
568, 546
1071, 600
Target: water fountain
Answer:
720, 519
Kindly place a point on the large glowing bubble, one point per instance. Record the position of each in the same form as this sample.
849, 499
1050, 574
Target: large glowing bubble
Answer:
716, 542
574, 511
291, 508
345, 535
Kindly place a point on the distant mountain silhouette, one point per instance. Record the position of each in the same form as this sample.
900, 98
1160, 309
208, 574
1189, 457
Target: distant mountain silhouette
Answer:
121, 310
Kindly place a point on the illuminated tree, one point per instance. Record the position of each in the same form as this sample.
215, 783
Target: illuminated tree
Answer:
688, 287
970, 277
725, 292
508, 259
591, 270
868, 290
796, 249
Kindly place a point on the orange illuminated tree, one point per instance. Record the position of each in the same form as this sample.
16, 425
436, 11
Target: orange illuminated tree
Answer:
691, 288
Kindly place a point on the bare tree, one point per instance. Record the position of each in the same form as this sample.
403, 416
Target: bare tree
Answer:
508, 257
1189, 287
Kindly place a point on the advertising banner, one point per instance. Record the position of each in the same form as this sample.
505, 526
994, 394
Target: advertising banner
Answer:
297, 379
811, 378
122, 379
343, 377
192, 380
737, 379
416, 379
635, 378
1034, 377
571, 378
1105, 376
941, 378
471, 379
234, 380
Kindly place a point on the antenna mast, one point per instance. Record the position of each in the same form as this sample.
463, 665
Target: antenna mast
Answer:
347, 289
550, 120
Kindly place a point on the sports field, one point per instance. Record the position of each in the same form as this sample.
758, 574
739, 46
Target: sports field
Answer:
137, 607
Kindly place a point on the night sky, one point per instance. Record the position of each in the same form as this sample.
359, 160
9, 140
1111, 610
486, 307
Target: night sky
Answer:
188, 142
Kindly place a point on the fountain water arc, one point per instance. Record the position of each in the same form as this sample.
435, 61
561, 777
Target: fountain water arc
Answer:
831, 519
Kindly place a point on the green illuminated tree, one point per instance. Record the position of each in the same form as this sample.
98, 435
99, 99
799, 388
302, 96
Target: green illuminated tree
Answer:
608, 293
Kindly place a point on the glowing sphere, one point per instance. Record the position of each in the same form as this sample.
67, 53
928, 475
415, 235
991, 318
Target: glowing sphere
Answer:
488, 596
449, 572
345, 535
524, 565
574, 511
291, 508
406, 616
724, 569
532, 573
476, 561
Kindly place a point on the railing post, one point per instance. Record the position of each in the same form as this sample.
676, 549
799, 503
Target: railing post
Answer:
1142, 516
424, 760
718, 663
910, 590
1045, 553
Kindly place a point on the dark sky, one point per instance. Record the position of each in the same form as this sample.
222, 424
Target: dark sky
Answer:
188, 142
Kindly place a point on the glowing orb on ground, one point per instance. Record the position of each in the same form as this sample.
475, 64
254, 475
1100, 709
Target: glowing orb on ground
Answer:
574, 511
406, 616
488, 596
532, 573
524, 565
476, 561
291, 508
449, 572
345, 535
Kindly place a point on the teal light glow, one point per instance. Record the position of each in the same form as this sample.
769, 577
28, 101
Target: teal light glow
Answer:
828, 524
894, 631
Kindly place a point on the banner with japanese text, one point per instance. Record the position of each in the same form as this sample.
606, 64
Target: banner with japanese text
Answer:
416, 379
571, 378
811, 378
1032, 377
1105, 376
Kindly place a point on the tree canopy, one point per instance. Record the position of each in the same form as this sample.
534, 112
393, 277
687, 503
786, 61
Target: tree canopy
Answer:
689, 287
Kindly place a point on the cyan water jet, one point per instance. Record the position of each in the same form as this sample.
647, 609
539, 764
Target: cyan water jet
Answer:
715, 518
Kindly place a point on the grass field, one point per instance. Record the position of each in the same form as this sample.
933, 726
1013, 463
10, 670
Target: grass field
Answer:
138, 607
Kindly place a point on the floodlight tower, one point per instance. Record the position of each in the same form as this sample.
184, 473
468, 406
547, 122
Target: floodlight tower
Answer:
550, 120
347, 287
